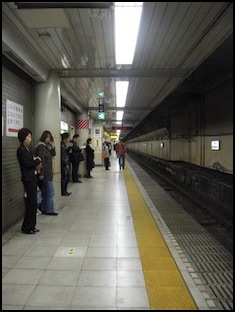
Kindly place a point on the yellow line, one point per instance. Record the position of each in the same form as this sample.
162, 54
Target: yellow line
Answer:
165, 286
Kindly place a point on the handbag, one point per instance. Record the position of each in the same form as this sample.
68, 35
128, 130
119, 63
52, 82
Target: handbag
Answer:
103, 154
80, 157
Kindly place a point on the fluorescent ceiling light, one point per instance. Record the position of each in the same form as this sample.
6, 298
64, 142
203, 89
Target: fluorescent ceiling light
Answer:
119, 115
64, 61
121, 93
127, 19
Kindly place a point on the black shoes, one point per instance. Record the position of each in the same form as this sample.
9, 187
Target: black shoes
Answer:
78, 181
29, 232
53, 213
65, 193
90, 177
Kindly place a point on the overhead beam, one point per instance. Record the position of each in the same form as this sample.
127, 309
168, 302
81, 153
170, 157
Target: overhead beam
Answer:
64, 5
124, 73
119, 108
116, 120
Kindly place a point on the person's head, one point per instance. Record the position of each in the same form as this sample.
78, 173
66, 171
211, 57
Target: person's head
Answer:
76, 137
25, 136
89, 141
46, 137
65, 137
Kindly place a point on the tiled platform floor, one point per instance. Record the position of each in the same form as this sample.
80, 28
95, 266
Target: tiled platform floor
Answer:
84, 258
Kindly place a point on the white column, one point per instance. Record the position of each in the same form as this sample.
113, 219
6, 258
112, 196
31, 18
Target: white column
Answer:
82, 128
47, 116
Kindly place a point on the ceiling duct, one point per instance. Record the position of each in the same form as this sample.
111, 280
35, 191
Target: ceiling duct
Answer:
21, 64
16, 49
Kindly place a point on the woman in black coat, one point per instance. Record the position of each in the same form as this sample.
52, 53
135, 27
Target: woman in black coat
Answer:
89, 158
29, 166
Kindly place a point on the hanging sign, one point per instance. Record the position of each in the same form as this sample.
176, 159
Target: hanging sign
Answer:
101, 115
97, 132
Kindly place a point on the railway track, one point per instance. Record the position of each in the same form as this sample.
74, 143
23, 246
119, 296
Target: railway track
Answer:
199, 207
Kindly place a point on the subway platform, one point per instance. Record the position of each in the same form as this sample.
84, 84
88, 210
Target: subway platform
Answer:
108, 249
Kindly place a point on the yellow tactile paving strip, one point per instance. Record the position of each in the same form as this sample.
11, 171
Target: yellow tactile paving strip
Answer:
164, 283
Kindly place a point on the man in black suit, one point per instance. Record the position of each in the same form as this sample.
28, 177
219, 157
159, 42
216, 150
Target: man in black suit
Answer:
65, 173
74, 157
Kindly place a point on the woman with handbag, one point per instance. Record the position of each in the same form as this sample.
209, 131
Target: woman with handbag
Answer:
45, 149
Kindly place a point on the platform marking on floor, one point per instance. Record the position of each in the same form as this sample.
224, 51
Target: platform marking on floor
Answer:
165, 285
71, 251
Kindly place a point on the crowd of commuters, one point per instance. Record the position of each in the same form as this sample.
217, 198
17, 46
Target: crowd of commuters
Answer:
37, 169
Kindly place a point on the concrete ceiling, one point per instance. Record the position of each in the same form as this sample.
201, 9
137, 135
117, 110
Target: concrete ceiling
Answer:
181, 46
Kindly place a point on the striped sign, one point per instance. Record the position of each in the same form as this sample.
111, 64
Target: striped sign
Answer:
82, 124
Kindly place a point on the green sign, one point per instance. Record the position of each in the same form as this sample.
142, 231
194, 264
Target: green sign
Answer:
101, 115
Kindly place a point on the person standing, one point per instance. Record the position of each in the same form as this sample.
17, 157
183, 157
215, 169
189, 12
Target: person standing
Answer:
114, 146
65, 174
74, 158
121, 151
45, 150
106, 159
29, 165
89, 158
